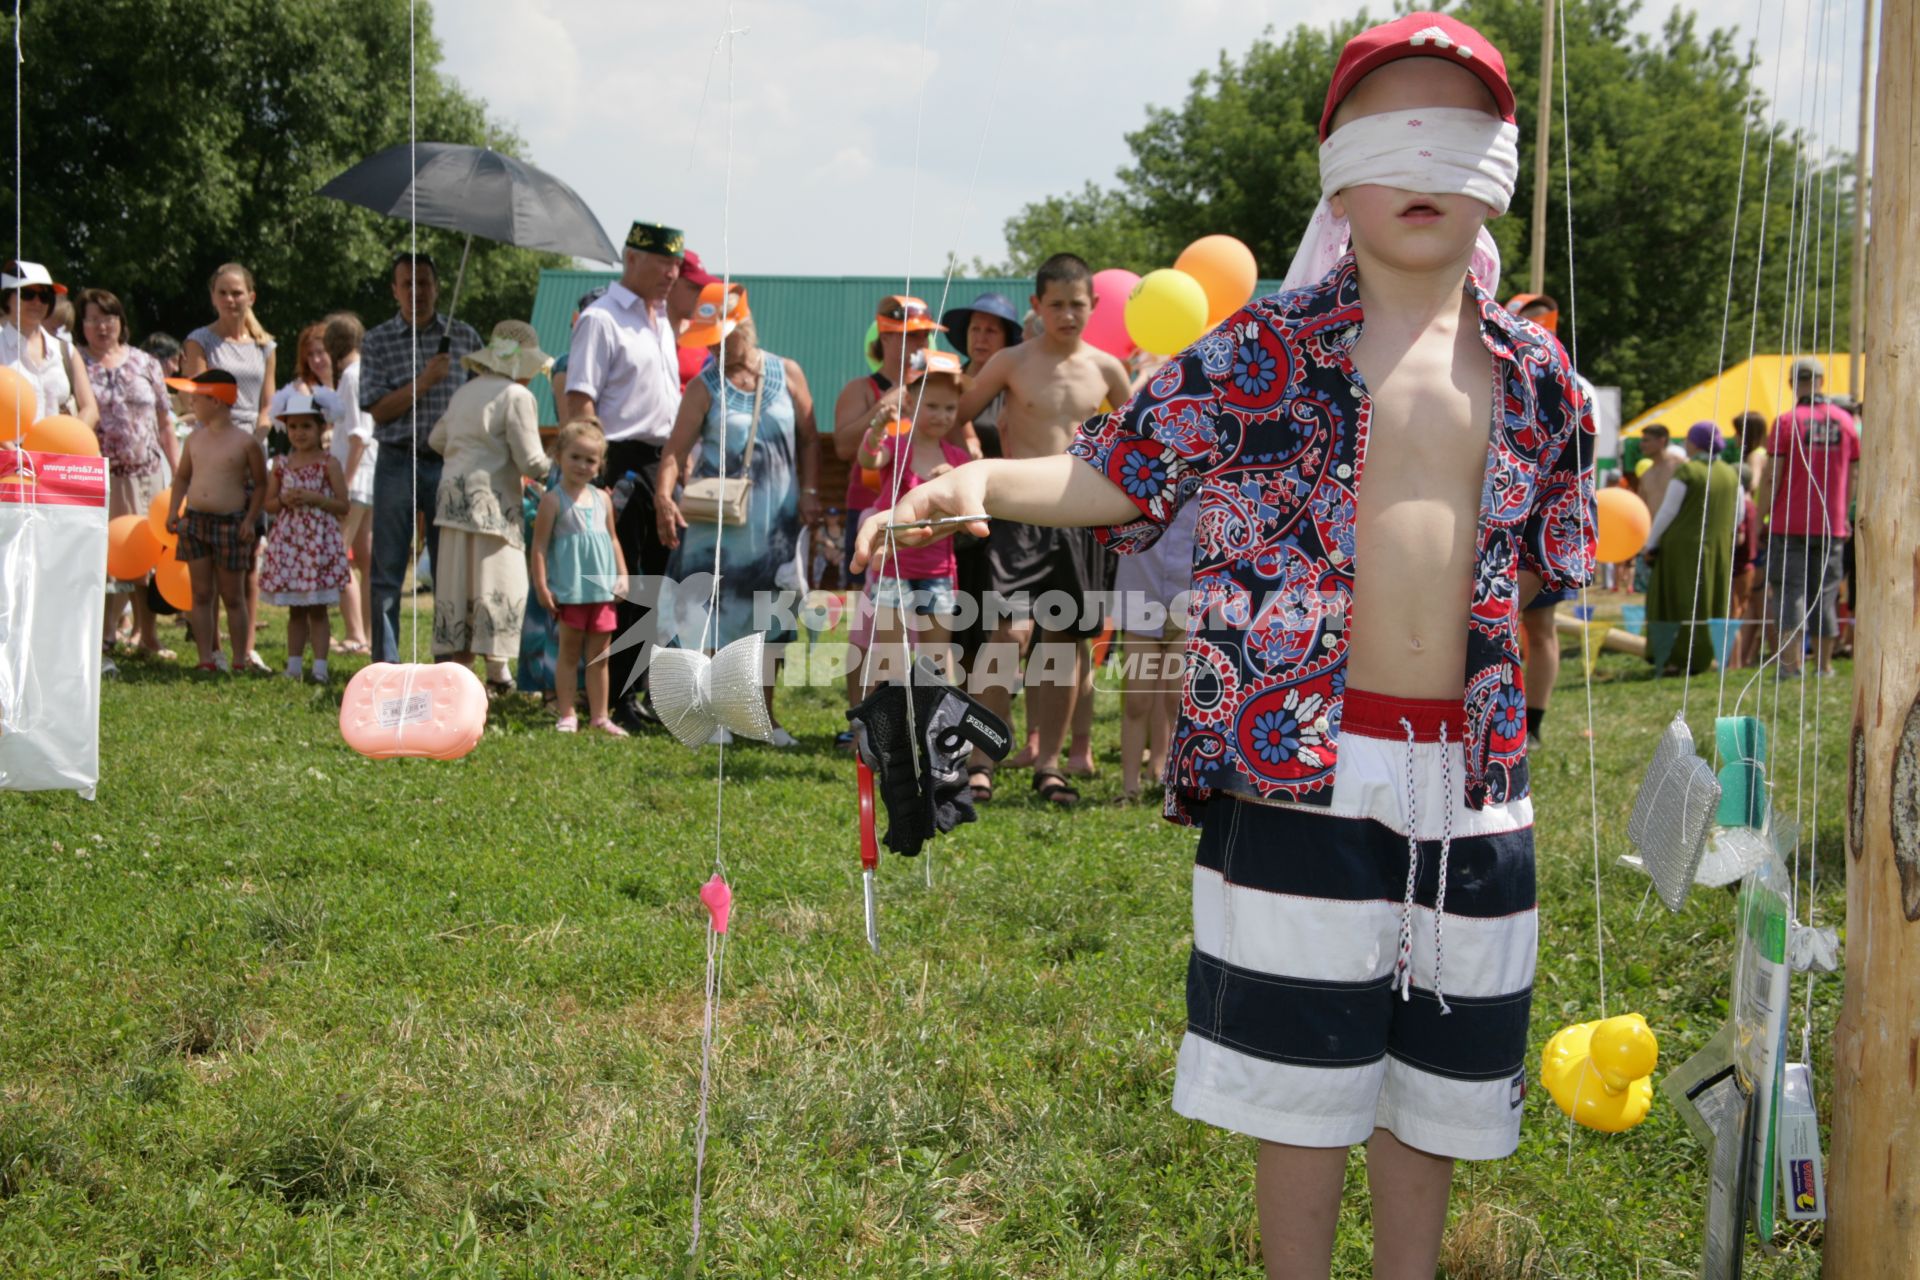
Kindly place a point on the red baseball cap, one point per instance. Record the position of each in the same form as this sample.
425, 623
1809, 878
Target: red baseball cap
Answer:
1418, 35
694, 271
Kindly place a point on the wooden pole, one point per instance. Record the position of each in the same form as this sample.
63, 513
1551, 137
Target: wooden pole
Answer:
1542, 153
1857, 348
1873, 1232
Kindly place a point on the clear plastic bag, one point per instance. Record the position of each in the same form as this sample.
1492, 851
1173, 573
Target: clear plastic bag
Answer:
53, 576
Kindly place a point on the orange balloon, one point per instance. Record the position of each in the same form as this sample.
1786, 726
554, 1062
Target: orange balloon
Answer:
131, 548
1225, 269
19, 404
176, 586
57, 433
157, 520
1622, 525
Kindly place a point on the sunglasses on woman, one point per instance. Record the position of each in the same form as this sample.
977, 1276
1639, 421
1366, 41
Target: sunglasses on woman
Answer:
40, 293
905, 311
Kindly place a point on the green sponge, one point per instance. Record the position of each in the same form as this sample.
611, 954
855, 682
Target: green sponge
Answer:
1742, 743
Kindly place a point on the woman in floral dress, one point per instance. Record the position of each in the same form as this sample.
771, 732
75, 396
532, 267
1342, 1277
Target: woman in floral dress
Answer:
136, 435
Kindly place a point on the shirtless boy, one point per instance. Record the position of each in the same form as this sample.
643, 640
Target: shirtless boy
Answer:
1052, 385
221, 483
1356, 682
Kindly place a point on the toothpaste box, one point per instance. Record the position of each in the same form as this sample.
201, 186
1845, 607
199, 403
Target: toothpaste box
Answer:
1799, 1146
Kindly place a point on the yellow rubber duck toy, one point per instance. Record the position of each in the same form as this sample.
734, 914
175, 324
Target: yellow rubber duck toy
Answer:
1601, 1073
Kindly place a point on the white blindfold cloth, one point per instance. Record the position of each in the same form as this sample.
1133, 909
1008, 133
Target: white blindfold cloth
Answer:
1433, 151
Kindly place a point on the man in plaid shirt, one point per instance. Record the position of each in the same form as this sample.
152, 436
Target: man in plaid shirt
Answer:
410, 368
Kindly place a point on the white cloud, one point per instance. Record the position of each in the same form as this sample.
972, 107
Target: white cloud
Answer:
828, 96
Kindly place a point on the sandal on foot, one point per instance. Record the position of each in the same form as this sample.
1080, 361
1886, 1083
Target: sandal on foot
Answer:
980, 779
1053, 787
608, 727
567, 724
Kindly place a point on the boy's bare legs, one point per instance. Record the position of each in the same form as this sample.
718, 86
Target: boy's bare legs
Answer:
566, 664
206, 609
253, 610
990, 678
1080, 752
936, 646
1409, 1190
1146, 710
1020, 631
1052, 686
233, 593
598, 678
1298, 1191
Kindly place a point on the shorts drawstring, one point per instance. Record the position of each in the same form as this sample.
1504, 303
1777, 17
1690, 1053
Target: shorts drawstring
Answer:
1403, 966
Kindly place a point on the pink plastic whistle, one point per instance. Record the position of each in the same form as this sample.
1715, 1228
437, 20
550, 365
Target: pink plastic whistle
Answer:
719, 901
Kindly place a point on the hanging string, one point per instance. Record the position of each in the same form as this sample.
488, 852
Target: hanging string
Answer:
19, 175
902, 446
1720, 370
1819, 756
1753, 335
717, 940
1793, 313
413, 345
902, 459
1841, 96
1586, 516
1733, 255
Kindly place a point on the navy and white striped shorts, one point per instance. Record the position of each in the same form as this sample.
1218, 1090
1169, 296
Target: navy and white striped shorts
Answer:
1296, 1032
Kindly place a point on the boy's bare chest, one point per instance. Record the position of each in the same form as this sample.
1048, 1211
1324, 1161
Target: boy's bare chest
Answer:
1430, 417
222, 453
1051, 391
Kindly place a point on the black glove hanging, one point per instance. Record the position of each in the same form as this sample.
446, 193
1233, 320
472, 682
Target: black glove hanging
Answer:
936, 799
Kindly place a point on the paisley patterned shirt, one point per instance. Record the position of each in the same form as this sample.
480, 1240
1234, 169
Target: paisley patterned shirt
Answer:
1264, 423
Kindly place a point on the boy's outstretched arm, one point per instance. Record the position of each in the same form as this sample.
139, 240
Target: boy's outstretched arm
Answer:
990, 382
1061, 491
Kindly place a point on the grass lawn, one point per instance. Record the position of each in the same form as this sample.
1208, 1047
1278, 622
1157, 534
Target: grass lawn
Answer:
272, 1009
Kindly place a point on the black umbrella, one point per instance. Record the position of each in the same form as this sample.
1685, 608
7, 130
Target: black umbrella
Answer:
479, 191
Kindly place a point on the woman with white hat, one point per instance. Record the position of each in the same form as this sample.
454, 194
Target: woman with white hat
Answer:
49, 363
490, 439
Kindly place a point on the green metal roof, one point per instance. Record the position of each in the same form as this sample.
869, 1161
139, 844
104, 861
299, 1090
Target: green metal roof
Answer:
819, 321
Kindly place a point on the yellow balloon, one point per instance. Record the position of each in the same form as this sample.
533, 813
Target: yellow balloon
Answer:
1166, 312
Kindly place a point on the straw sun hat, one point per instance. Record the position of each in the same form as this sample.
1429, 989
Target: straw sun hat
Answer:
513, 352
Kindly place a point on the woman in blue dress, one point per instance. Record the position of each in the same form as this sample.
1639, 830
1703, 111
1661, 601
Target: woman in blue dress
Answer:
769, 437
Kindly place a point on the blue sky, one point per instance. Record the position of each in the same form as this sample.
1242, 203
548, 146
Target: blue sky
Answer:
828, 96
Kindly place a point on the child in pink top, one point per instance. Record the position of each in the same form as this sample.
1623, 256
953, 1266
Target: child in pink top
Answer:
914, 590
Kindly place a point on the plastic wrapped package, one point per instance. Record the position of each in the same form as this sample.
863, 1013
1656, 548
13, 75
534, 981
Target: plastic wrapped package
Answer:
53, 575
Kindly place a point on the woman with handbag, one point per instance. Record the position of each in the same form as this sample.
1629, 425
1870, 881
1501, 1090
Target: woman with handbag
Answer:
753, 487
490, 438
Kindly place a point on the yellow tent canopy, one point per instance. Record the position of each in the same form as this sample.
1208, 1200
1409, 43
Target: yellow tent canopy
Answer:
1759, 384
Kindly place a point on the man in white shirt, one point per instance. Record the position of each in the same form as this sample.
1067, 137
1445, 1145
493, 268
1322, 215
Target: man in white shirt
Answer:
624, 368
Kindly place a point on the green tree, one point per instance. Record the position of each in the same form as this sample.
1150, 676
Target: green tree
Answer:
162, 138
1657, 126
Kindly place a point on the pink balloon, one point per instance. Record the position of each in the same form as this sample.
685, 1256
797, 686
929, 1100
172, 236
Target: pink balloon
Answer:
1107, 329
